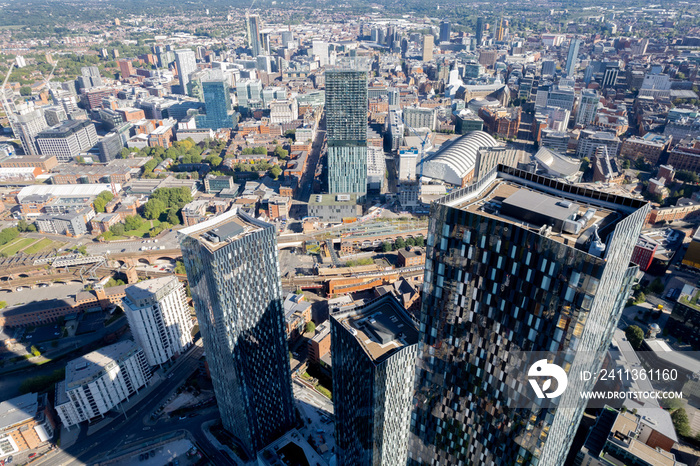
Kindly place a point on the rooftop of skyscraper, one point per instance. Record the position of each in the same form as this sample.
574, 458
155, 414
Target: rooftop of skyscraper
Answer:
222, 229
381, 327
563, 212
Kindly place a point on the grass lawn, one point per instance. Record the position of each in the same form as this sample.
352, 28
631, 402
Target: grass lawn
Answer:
9, 245
16, 246
42, 244
147, 225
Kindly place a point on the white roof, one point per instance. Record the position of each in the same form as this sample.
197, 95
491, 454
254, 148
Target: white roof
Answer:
67, 190
455, 160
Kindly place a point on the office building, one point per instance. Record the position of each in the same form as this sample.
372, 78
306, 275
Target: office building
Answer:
217, 102
346, 123
68, 222
55, 115
334, 208
99, 381
516, 264
562, 97
89, 77
587, 108
428, 46
610, 77
373, 359
26, 423
67, 140
589, 140
479, 32
572, 57
252, 28
186, 64
249, 93
420, 117
549, 68
445, 30
233, 270
159, 318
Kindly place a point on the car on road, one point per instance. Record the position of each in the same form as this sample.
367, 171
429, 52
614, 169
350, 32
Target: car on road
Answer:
182, 417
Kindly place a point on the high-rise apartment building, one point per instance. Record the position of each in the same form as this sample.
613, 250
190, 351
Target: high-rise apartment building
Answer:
516, 263
428, 46
186, 64
374, 352
159, 318
126, 68
346, 126
587, 108
252, 28
233, 270
89, 77
26, 125
445, 31
99, 381
572, 58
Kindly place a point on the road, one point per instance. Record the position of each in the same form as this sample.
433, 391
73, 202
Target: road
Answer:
114, 437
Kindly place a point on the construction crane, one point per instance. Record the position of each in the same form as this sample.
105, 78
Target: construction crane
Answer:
2, 90
423, 140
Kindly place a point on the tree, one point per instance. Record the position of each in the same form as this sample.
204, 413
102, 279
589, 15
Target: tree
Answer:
420, 241
687, 176
101, 201
275, 171
386, 246
635, 336
179, 268
214, 160
656, 286
35, 351
400, 243
133, 222
310, 327
280, 152
173, 218
153, 208
3, 304
25, 91
118, 229
680, 422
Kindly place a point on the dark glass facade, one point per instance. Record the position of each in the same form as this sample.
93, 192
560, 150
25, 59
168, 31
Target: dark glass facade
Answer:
495, 288
372, 385
237, 294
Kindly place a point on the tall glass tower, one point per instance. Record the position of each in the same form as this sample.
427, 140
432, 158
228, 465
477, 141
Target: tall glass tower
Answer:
217, 102
374, 353
233, 271
186, 64
252, 28
346, 126
517, 265
572, 57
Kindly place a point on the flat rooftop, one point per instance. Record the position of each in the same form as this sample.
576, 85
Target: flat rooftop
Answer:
85, 368
18, 409
381, 327
222, 229
521, 205
147, 288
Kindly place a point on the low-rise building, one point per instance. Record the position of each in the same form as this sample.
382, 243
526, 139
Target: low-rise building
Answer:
99, 381
643, 252
215, 184
44, 162
101, 223
333, 208
72, 223
650, 147
410, 257
686, 155
26, 423
320, 343
278, 207
297, 313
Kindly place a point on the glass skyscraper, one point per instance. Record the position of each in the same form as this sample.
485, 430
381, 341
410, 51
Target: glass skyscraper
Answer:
217, 102
572, 57
233, 271
186, 64
252, 28
516, 263
346, 126
374, 352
